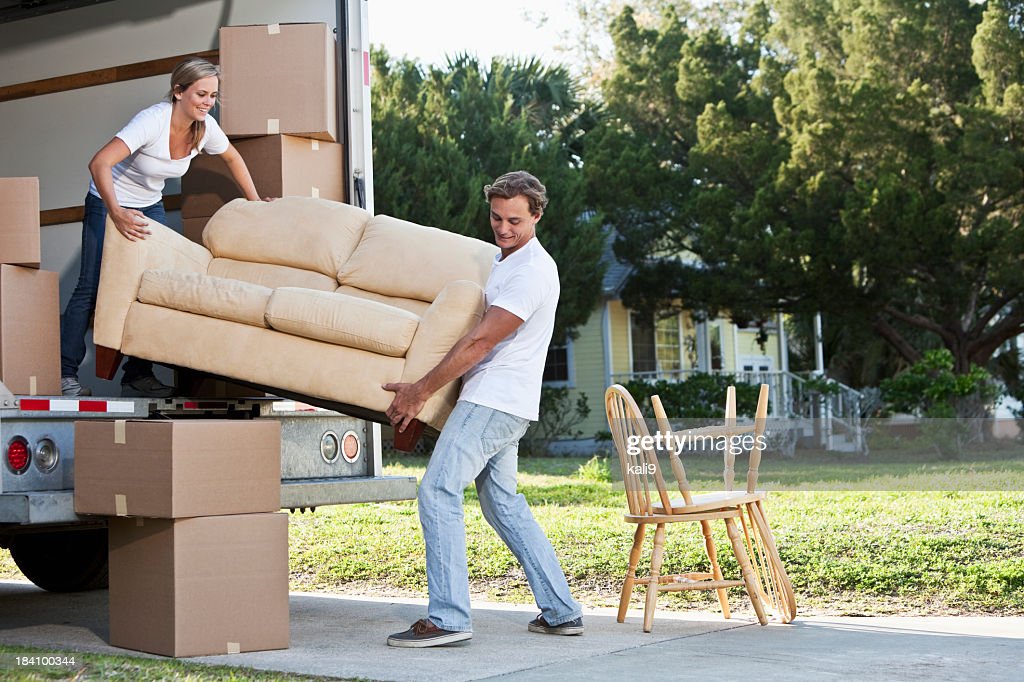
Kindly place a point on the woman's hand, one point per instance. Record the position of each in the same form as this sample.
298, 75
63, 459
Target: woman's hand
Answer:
130, 223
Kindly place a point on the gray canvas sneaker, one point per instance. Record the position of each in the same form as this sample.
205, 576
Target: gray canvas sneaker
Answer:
70, 388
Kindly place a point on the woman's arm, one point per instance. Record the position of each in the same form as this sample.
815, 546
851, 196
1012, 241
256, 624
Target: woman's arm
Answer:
129, 222
240, 172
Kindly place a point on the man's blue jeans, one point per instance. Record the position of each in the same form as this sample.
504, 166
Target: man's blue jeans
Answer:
78, 313
482, 444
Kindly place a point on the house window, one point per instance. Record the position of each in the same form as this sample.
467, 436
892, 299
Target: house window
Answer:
715, 341
655, 346
558, 364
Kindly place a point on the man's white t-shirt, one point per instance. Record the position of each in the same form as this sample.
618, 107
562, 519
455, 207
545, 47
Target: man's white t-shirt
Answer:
509, 377
139, 179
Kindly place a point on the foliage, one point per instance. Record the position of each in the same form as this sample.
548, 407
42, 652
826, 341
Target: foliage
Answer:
701, 396
954, 403
931, 388
559, 416
595, 470
441, 134
863, 159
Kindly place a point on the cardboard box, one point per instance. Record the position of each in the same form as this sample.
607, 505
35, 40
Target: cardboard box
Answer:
280, 165
202, 586
19, 221
29, 330
280, 78
177, 468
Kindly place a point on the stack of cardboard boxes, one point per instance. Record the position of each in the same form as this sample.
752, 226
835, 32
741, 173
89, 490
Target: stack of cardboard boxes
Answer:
29, 297
278, 103
198, 552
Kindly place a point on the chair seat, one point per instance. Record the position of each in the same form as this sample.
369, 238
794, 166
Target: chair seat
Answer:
709, 501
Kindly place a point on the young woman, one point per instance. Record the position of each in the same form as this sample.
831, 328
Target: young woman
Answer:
128, 176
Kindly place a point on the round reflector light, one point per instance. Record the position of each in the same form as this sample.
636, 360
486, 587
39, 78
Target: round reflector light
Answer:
329, 447
47, 455
18, 455
351, 448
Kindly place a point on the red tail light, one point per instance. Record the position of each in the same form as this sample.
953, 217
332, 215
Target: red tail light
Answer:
17, 454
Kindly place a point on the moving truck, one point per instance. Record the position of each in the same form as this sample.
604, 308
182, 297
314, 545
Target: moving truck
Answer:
72, 73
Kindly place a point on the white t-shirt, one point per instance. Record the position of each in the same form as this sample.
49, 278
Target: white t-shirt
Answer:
509, 377
139, 179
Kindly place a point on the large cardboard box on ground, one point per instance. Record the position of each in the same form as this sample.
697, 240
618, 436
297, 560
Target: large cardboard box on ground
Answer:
199, 586
19, 221
177, 468
279, 78
280, 165
29, 330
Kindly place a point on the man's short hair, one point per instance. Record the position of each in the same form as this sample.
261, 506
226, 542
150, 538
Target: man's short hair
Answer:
519, 183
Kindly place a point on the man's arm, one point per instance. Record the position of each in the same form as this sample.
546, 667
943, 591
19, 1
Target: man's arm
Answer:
496, 325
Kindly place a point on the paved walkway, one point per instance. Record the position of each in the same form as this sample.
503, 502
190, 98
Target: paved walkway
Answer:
344, 637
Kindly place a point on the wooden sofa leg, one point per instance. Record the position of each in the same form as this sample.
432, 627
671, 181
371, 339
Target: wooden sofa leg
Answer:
406, 440
108, 361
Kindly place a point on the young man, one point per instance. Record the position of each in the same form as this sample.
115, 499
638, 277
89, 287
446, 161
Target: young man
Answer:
501, 361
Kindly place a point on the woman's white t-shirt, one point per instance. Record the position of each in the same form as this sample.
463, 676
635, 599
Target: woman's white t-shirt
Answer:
139, 179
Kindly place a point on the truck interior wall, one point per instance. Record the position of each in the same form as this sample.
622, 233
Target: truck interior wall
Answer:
54, 136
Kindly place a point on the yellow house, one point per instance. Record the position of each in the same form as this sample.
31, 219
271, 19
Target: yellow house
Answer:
617, 345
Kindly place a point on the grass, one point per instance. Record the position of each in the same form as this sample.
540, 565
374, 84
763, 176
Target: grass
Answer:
133, 668
871, 537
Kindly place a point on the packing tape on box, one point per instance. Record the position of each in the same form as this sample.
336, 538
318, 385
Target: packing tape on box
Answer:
32, 386
234, 648
120, 505
273, 29
119, 431
273, 126
314, 192
315, 145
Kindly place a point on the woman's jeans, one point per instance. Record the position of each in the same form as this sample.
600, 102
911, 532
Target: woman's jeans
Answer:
79, 311
480, 443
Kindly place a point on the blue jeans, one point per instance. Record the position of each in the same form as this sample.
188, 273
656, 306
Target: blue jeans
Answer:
79, 311
482, 444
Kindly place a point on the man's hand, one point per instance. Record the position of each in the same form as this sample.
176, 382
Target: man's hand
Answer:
130, 223
409, 400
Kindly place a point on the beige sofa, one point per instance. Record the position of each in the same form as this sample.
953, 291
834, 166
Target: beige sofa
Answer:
305, 297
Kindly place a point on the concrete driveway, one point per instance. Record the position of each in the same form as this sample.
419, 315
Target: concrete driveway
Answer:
344, 637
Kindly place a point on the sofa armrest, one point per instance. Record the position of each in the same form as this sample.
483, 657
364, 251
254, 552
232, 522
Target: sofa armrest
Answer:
121, 271
456, 310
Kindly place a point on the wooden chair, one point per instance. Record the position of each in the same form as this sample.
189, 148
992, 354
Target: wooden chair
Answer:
650, 504
774, 585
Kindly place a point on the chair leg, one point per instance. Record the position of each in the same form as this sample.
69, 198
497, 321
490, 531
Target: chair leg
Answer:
716, 570
634, 559
749, 577
406, 440
652, 585
108, 361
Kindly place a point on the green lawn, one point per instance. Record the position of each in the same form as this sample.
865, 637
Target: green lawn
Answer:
858, 537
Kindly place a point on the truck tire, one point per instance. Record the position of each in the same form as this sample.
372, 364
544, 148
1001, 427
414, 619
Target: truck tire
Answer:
63, 561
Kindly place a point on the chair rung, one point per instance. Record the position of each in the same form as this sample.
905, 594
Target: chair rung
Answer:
699, 585
680, 577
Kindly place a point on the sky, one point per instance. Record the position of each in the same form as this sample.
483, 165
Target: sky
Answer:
429, 31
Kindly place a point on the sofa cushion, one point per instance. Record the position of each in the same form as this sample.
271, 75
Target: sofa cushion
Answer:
342, 320
301, 232
414, 306
272, 276
398, 258
192, 292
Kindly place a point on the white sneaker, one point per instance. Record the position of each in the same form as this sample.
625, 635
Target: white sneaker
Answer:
70, 387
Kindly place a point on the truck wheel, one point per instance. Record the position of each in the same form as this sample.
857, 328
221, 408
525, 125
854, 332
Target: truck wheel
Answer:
63, 561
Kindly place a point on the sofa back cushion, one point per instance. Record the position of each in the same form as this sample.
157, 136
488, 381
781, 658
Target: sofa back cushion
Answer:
272, 276
299, 232
406, 260
342, 320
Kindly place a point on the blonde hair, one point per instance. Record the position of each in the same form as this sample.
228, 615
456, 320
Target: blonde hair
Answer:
519, 183
184, 75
